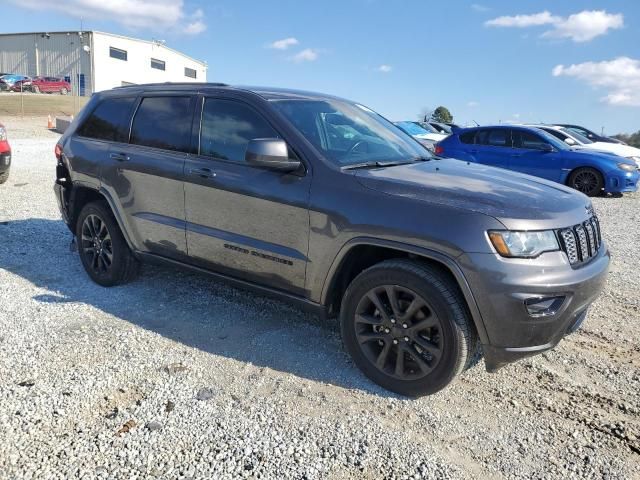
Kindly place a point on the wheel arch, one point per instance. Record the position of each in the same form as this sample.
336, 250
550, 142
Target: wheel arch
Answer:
592, 167
361, 253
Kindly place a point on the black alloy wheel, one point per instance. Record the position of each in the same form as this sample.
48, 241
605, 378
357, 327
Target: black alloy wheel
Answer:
587, 181
96, 244
399, 332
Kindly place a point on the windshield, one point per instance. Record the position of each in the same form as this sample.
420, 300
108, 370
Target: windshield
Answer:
413, 128
577, 135
348, 134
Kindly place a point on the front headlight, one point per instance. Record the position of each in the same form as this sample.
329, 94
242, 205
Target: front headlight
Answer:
635, 159
523, 244
627, 167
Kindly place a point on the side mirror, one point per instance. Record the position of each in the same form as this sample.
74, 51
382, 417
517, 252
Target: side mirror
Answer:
270, 153
570, 141
545, 147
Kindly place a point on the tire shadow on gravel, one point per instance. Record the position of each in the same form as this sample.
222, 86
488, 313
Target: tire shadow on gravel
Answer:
185, 307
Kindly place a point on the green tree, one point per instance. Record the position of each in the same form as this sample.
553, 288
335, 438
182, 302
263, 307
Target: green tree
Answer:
442, 115
633, 139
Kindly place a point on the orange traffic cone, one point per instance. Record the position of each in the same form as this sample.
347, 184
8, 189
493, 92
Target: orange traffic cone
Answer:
49, 122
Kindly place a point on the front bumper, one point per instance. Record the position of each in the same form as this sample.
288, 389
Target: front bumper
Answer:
501, 286
618, 181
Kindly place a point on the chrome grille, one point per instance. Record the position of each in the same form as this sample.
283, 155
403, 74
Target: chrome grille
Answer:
581, 242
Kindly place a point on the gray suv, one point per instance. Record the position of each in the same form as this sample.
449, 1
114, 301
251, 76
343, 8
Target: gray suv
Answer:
427, 262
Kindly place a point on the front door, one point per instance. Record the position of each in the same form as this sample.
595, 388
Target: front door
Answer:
244, 221
530, 157
493, 147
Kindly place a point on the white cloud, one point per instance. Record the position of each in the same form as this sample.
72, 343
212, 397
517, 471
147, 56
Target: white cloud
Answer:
472, 104
620, 77
384, 68
306, 55
585, 26
479, 8
579, 27
158, 15
523, 21
284, 43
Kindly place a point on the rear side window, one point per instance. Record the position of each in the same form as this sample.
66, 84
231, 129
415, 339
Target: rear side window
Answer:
109, 120
227, 128
468, 137
499, 138
163, 122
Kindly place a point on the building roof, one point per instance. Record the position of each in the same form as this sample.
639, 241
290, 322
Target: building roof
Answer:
152, 42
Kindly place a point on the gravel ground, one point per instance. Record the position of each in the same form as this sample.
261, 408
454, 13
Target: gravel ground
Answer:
177, 376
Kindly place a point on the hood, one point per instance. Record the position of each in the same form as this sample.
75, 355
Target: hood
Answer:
617, 148
518, 201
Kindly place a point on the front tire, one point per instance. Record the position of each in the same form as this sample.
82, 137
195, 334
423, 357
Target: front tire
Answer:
587, 180
36, 89
63, 91
104, 253
407, 327
4, 176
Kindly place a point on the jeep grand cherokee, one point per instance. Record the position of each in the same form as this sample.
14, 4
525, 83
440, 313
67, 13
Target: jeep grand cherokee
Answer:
323, 202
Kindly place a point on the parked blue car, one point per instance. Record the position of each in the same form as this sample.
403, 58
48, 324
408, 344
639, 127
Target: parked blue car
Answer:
535, 152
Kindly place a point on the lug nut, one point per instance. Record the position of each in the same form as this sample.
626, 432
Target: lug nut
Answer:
393, 320
395, 342
386, 330
404, 325
406, 339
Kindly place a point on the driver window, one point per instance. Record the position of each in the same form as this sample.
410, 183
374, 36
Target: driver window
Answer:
529, 141
227, 128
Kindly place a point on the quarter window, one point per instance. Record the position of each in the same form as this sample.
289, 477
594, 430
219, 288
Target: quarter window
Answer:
109, 121
227, 128
157, 64
117, 53
163, 122
468, 137
190, 72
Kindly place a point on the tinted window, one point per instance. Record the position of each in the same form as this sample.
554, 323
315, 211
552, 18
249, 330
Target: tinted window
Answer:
163, 122
109, 121
157, 64
190, 72
528, 140
555, 133
498, 138
117, 53
481, 137
468, 137
227, 128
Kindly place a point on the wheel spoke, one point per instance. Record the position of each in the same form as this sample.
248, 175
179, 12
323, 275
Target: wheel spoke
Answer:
392, 295
375, 299
400, 360
368, 320
430, 347
370, 336
382, 356
417, 358
416, 304
430, 321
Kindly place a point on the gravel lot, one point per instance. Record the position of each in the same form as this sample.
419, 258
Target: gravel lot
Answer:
177, 376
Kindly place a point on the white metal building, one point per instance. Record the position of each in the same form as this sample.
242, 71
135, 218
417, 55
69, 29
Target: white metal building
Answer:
94, 61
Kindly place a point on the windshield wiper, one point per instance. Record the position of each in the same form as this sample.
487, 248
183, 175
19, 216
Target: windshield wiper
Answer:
378, 164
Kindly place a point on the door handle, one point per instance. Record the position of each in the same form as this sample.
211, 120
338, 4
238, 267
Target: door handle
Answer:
120, 157
202, 172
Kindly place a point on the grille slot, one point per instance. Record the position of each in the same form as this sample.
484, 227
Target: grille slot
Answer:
581, 242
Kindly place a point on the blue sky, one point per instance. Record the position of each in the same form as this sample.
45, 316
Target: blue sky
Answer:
486, 61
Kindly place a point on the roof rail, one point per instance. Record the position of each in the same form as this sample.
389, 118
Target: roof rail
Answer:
186, 84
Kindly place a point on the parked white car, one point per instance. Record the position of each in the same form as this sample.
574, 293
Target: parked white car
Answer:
428, 138
574, 139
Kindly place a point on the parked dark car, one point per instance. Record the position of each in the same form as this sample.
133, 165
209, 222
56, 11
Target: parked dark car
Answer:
535, 152
322, 202
5, 155
591, 135
50, 85
8, 81
22, 85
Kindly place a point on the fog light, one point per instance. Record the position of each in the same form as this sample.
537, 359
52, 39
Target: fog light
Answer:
543, 306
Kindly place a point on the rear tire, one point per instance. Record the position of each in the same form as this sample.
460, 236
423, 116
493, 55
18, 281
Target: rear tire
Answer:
36, 89
4, 176
407, 327
587, 180
63, 91
104, 253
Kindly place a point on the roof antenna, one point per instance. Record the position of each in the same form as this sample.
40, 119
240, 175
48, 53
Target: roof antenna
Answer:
477, 124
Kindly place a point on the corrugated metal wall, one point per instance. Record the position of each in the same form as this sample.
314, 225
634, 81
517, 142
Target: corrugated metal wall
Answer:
55, 54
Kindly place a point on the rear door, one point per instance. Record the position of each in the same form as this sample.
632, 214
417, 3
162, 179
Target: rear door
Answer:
493, 147
244, 221
530, 158
146, 175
